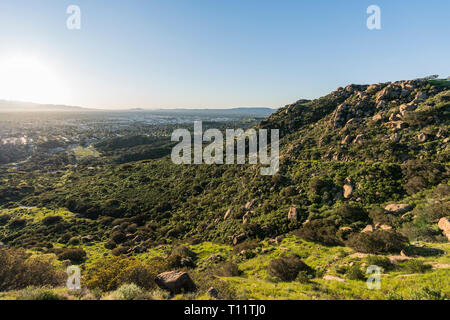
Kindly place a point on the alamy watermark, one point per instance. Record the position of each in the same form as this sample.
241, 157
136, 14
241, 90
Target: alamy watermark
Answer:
374, 20
74, 278
374, 280
73, 22
214, 152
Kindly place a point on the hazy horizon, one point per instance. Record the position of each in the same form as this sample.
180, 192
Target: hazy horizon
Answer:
212, 55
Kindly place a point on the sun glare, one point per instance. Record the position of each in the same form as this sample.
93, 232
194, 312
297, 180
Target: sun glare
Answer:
29, 79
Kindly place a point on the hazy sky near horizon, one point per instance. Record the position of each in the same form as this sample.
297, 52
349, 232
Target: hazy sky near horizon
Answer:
213, 53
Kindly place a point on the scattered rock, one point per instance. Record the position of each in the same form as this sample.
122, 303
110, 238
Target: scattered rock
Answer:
348, 191
227, 214
292, 214
396, 137
377, 117
422, 137
266, 250
346, 140
368, 228
399, 258
245, 218
249, 204
139, 238
279, 239
358, 139
175, 282
238, 238
333, 278
398, 208
87, 239
444, 225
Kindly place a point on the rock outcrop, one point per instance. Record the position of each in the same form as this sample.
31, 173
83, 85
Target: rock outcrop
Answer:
175, 282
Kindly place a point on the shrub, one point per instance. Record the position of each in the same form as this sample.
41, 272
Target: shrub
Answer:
426, 293
442, 190
110, 273
118, 237
380, 261
119, 251
4, 218
50, 220
18, 223
355, 273
74, 241
378, 241
303, 277
227, 269
415, 266
184, 252
18, 271
351, 213
287, 268
75, 255
319, 230
128, 292
246, 245
379, 215
32, 293
421, 174
110, 245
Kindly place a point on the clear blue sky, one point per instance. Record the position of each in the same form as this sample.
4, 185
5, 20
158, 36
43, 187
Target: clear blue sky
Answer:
227, 53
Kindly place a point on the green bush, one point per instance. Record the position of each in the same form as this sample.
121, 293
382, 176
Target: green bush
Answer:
379, 241
287, 268
319, 230
227, 269
75, 255
18, 271
50, 220
426, 293
32, 293
110, 273
415, 266
380, 261
355, 273
128, 292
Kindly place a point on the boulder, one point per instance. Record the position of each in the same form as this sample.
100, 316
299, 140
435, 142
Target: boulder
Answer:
245, 218
348, 191
444, 225
292, 214
346, 140
377, 117
358, 139
396, 137
368, 228
422, 137
249, 204
175, 282
238, 238
396, 208
279, 239
395, 117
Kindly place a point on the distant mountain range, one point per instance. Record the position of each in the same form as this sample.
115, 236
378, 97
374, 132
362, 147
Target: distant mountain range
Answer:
19, 106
